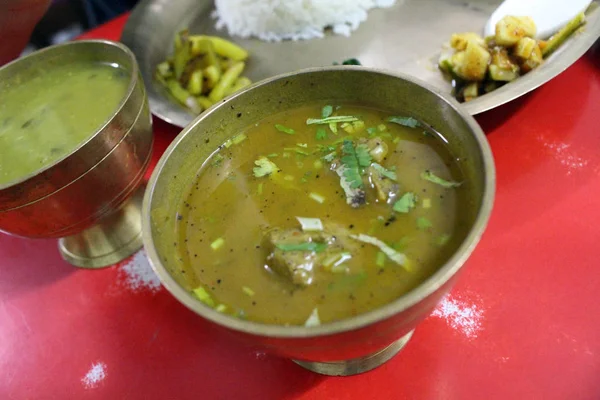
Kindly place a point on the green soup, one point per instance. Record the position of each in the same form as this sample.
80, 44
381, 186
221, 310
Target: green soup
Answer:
46, 117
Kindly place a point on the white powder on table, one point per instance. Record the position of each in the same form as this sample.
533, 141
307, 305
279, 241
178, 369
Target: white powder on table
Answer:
461, 316
137, 274
95, 375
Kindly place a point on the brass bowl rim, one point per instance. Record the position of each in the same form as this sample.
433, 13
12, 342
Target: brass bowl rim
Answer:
134, 71
414, 297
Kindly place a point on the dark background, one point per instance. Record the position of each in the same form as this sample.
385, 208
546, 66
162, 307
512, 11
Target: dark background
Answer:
68, 18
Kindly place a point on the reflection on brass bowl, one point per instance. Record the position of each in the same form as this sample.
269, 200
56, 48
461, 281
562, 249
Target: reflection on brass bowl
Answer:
88, 197
348, 346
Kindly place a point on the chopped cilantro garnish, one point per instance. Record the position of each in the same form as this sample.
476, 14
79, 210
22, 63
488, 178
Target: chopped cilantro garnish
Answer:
321, 134
306, 246
354, 159
431, 177
423, 223
442, 239
264, 167
329, 157
406, 203
329, 120
388, 173
405, 121
284, 129
372, 131
326, 111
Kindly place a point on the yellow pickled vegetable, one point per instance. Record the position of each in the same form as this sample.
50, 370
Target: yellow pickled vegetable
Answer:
202, 70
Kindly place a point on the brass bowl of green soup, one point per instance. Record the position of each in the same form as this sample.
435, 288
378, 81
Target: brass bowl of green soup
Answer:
75, 142
321, 215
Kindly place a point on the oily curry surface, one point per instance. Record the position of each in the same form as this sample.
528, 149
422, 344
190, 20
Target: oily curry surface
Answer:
319, 214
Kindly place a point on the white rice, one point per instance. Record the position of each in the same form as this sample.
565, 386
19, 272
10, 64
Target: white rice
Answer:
276, 20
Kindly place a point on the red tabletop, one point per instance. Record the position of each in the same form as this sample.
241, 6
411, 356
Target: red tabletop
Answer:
523, 321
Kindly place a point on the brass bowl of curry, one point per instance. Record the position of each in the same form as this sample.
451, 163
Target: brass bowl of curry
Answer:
321, 215
75, 143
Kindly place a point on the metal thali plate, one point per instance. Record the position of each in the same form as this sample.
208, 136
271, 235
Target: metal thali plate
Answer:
406, 38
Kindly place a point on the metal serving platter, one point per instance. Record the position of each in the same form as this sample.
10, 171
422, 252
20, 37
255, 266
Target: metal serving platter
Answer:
406, 38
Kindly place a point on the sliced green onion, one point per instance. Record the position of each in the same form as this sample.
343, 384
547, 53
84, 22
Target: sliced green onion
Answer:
316, 197
339, 268
306, 246
333, 127
296, 150
303, 145
380, 259
310, 224
248, 291
392, 254
217, 244
204, 296
237, 139
329, 120
336, 261
221, 308
321, 134
313, 319
284, 129
217, 160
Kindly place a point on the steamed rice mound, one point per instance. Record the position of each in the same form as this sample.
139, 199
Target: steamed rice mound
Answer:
276, 20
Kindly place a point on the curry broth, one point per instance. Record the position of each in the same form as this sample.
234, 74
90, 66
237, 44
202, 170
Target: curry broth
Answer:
228, 204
